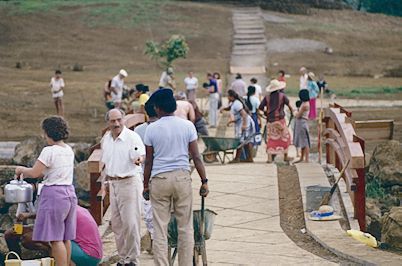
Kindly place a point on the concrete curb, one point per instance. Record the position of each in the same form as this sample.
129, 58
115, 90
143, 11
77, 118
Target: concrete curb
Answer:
330, 234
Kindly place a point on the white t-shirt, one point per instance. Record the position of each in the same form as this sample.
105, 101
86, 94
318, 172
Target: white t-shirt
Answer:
255, 103
170, 137
119, 155
59, 162
191, 83
118, 84
56, 87
165, 80
303, 81
258, 90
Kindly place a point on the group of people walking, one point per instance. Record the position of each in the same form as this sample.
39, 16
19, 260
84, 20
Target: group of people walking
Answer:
148, 170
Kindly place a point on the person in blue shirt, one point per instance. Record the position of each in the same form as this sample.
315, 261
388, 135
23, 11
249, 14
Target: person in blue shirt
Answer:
313, 90
212, 87
167, 181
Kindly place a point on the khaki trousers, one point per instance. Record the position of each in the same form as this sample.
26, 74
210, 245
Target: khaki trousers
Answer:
166, 188
125, 204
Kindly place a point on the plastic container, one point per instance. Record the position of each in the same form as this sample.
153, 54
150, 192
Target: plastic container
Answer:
314, 195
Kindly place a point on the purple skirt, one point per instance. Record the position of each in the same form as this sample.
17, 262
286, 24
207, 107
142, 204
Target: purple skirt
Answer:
56, 218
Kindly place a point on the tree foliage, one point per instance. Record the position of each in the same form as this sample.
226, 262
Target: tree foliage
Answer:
167, 51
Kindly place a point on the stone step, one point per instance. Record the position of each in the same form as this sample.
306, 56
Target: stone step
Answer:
251, 42
251, 27
248, 36
247, 26
249, 47
248, 70
248, 53
249, 31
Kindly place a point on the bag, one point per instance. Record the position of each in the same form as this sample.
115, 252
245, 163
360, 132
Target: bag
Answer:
19, 262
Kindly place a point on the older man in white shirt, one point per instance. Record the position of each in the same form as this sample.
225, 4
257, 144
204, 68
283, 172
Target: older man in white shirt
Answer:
116, 88
123, 152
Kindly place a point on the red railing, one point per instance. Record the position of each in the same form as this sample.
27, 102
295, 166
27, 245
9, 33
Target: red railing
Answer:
343, 144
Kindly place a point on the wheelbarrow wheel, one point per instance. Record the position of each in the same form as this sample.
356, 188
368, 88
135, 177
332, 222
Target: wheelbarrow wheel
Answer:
210, 157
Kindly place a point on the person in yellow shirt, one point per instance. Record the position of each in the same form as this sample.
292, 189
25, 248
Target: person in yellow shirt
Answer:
140, 98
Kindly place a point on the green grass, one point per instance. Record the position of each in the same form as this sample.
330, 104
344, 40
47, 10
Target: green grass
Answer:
122, 13
364, 92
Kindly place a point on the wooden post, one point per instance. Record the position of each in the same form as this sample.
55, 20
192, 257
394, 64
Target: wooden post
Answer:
360, 194
321, 117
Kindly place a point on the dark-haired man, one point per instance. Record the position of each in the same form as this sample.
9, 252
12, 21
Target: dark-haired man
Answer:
168, 143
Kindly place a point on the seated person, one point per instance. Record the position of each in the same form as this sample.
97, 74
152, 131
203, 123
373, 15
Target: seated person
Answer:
86, 249
25, 211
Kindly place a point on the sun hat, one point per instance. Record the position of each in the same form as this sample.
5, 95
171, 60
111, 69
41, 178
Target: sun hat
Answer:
275, 85
123, 73
169, 70
324, 213
311, 75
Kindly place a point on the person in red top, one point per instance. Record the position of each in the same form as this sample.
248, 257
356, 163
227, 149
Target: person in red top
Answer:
278, 137
86, 249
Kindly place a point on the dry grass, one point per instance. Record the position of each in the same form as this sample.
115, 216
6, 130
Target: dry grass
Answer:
105, 36
44, 41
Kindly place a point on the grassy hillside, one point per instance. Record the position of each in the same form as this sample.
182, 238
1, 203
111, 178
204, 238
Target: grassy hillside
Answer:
103, 36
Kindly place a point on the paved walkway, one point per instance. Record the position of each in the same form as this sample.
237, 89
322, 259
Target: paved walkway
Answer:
247, 228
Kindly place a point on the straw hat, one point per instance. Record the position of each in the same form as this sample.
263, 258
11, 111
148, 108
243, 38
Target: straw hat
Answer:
123, 73
324, 213
311, 75
275, 85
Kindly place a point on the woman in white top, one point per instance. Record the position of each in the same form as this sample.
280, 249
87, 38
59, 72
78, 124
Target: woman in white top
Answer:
56, 215
56, 87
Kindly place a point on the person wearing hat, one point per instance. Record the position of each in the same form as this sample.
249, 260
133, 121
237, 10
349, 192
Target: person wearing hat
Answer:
313, 90
167, 79
116, 88
278, 137
184, 108
303, 78
137, 104
167, 180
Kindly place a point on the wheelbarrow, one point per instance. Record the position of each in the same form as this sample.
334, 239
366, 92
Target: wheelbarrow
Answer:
203, 223
220, 147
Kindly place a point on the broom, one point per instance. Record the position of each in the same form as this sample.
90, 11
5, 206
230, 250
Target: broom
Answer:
327, 197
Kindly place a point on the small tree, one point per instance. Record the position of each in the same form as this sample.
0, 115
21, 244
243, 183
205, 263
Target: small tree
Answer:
166, 52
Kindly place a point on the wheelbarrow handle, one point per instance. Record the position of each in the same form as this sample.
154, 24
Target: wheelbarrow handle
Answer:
202, 225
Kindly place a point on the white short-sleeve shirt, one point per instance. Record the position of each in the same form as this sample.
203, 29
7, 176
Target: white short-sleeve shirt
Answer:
56, 87
59, 162
170, 138
258, 90
191, 83
119, 155
118, 84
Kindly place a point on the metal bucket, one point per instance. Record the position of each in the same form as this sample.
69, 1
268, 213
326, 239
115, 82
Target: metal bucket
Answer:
314, 195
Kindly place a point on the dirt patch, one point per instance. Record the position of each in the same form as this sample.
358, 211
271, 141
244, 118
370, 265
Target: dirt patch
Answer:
294, 45
292, 215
